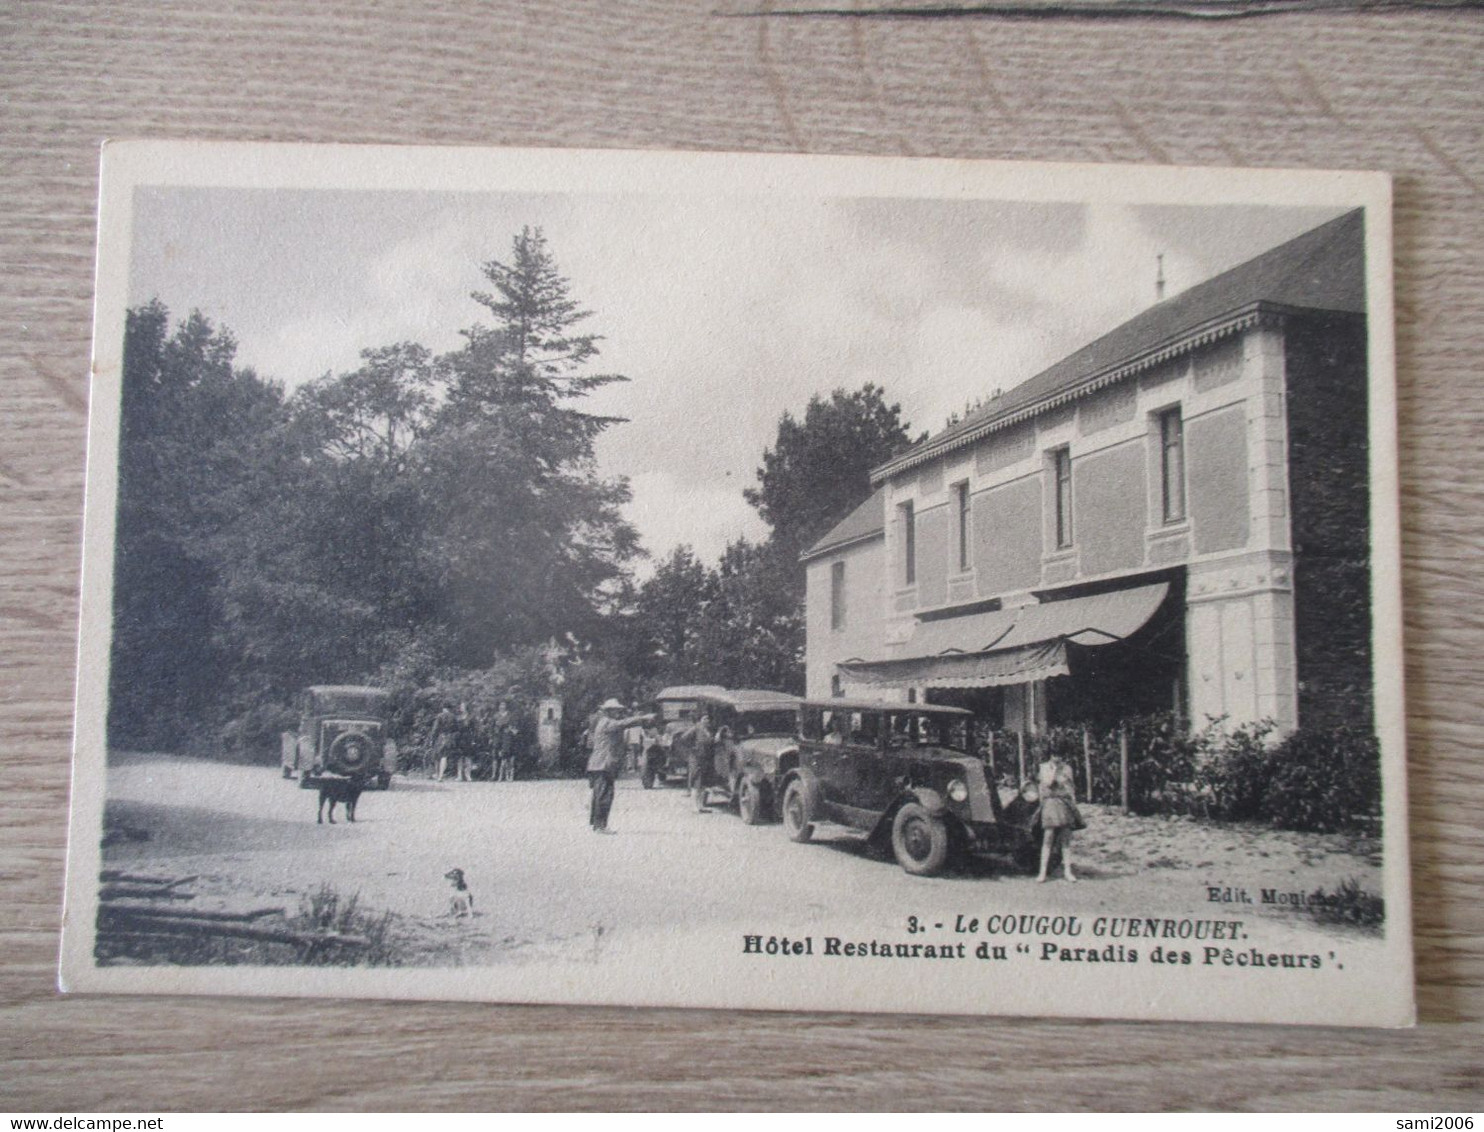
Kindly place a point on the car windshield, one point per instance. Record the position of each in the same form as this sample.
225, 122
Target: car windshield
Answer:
765, 723
349, 703
673, 711
925, 729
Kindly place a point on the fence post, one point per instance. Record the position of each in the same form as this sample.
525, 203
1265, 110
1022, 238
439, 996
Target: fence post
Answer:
1123, 768
1020, 759
1087, 762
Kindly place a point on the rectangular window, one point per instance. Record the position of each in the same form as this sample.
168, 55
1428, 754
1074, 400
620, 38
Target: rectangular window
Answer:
837, 595
961, 497
909, 543
1172, 464
1061, 461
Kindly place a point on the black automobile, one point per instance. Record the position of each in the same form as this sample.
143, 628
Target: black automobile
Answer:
904, 775
342, 733
756, 738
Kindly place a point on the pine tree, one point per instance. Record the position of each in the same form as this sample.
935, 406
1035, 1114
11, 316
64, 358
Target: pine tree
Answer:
531, 536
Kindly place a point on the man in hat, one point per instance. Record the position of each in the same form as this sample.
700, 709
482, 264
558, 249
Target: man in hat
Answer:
604, 764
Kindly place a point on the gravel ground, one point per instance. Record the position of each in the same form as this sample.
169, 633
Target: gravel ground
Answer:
546, 887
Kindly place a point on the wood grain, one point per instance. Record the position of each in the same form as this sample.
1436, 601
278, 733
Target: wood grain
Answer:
1399, 91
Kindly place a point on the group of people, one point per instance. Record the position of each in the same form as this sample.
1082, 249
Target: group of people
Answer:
455, 743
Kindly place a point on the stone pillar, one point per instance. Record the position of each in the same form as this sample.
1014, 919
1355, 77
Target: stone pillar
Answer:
1239, 629
549, 731
1264, 367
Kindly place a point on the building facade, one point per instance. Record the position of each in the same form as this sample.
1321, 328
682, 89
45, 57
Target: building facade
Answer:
1174, 517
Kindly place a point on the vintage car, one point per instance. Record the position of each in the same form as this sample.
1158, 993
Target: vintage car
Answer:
677, 708
756, 738
902, 774
342, 733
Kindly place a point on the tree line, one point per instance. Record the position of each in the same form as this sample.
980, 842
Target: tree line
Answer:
433, 520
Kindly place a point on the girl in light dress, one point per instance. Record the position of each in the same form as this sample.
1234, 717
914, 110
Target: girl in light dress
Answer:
1060, 817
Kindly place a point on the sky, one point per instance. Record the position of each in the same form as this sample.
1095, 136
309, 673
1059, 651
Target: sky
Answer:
723, 311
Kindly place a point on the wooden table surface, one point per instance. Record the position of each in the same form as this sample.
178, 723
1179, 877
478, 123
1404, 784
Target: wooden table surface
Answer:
1399, 91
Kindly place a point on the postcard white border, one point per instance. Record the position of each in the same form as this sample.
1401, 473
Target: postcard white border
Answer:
727, 980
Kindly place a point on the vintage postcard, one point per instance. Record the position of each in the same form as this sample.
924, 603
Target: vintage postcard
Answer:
765, 582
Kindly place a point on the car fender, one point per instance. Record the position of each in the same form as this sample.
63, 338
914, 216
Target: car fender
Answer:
811, 785
930, 800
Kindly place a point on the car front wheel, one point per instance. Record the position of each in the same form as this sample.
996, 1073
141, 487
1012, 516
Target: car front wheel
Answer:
919, 840
750, 802
797, 819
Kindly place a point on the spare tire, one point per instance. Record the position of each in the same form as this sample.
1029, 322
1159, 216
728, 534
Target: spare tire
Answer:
352, 753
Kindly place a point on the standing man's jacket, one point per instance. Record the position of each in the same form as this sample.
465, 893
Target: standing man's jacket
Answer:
608, 744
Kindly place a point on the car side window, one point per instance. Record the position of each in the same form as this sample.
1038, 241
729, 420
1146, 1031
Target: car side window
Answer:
812, 726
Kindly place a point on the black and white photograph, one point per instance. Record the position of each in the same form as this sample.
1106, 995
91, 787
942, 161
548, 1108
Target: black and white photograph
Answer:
766, 582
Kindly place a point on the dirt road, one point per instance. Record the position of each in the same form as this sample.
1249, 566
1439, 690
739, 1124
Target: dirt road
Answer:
545, 885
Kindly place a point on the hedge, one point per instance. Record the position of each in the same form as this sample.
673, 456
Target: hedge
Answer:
1313, 779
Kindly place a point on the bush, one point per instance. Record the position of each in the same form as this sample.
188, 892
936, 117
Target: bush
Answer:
1323, 781
254, 734
325, 910
1349, 904
1233, 770
1000, 751
1161, 764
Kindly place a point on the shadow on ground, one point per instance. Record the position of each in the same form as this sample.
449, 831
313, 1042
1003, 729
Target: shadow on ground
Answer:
147, 829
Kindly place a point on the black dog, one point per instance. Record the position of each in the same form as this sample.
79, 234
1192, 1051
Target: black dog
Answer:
333, 790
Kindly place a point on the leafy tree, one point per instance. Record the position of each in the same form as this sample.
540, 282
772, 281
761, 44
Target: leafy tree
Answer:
375, 414
324, 568
819, 468
444, 507
756, 627
741, 624
669, 628
192, 428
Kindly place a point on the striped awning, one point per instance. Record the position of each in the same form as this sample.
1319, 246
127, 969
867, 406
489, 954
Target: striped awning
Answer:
1009, 646
964, 670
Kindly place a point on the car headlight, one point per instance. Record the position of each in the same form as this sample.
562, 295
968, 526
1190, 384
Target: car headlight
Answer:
958, 790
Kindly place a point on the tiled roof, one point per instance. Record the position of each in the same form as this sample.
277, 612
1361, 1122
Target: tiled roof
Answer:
1323, 269
865, 521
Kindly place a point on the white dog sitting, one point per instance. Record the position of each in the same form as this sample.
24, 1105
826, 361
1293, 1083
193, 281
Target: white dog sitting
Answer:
461, 903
